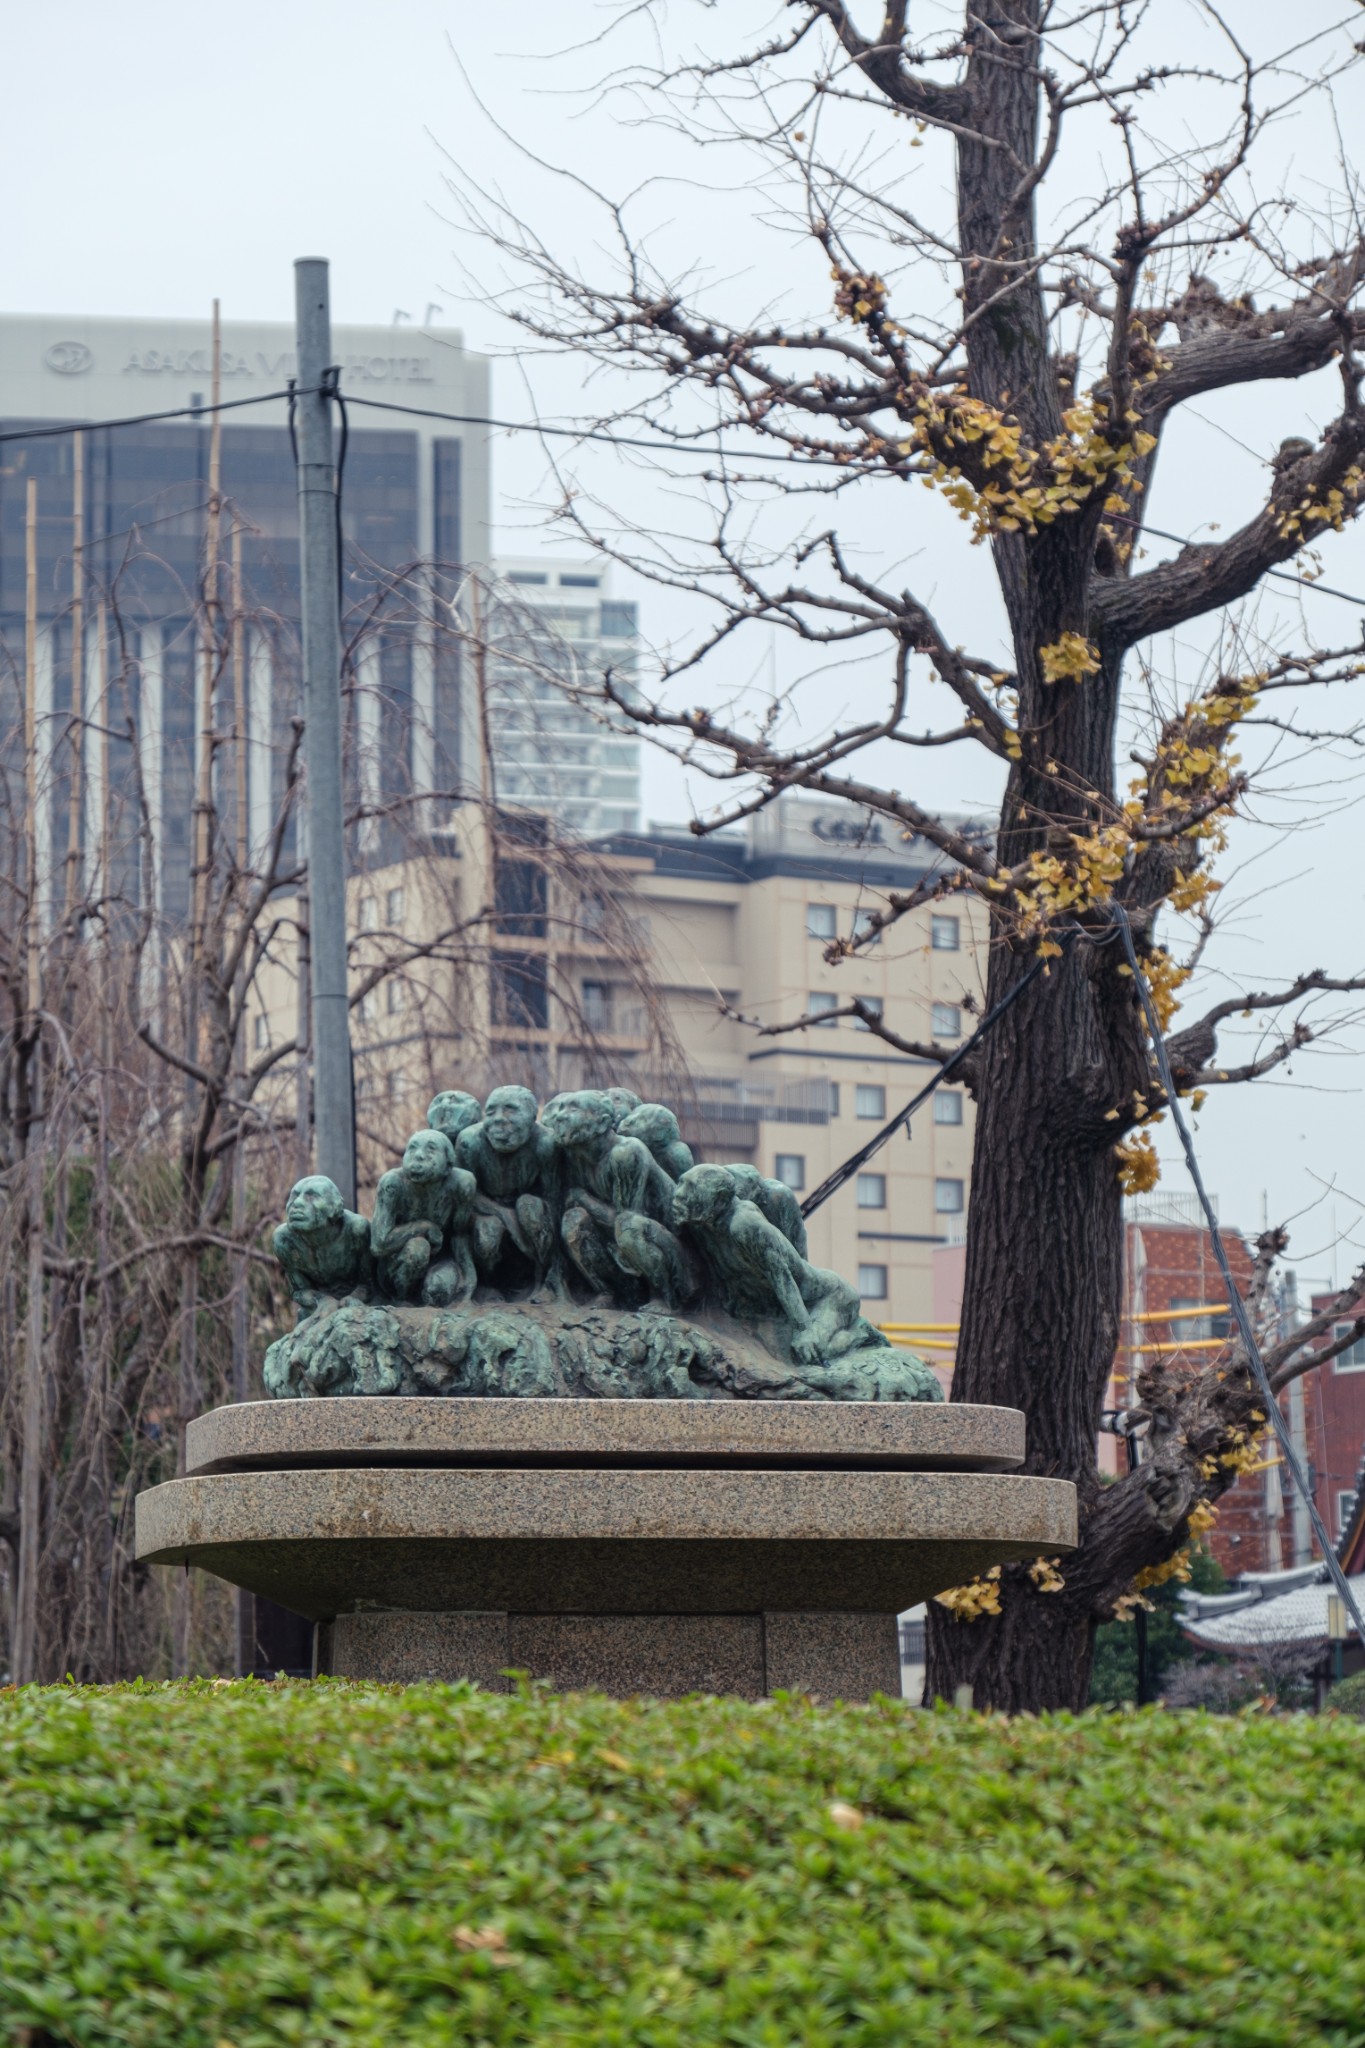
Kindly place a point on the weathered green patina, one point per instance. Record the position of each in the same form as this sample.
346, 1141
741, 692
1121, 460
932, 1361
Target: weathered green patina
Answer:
575, 1251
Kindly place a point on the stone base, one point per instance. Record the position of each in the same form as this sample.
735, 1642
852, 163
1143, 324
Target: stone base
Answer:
831, 1656
625, 1546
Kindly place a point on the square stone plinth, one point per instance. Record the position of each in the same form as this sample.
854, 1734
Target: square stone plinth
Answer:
831, 1656
408, 1648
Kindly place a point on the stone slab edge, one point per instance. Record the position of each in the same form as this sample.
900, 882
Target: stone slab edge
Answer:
590, 1505
361, 1429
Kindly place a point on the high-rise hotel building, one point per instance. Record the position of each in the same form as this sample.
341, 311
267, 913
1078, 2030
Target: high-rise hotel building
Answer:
555, 629
415, 511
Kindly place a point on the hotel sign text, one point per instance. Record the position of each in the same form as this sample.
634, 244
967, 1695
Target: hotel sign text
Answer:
275, 369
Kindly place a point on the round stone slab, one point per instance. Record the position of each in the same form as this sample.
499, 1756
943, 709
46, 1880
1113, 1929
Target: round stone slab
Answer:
601, 1541
450, 1430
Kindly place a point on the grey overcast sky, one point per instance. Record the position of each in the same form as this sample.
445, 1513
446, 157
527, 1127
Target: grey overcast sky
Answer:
157, 155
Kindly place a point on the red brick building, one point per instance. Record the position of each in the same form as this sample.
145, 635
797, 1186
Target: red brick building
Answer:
1175, 1306
1334, 1413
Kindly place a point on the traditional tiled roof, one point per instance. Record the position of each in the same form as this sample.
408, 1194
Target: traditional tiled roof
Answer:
1268, 1608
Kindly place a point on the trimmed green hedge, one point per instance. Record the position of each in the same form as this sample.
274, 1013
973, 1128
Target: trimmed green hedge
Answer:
1349, 1696
246, 1866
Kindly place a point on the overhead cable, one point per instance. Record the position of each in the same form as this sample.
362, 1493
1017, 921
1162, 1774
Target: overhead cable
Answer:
139, 419
834, 1181
589, 434
1140, 526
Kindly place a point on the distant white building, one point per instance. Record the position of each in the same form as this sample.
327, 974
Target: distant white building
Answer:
554, 624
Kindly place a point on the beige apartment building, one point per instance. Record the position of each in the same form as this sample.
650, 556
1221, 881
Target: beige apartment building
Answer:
658, 959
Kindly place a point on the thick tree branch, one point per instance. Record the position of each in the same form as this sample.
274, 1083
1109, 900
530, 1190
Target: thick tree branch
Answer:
1193, 1052
862, 1013
1313, 494
885, 64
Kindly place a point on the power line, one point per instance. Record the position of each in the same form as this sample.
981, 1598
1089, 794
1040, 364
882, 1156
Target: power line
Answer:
834, 1181
140, 419
591, 434
1280, 575
468, 419
755, 455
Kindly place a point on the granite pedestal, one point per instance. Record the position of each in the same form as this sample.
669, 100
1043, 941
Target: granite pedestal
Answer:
627, 1546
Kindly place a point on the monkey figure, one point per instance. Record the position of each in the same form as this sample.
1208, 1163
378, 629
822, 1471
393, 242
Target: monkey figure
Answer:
452, 1111
516, 1164
323, 1246
761, 1276
775, 1200
623, 1101
656, 1126
420, 1232
618, 1203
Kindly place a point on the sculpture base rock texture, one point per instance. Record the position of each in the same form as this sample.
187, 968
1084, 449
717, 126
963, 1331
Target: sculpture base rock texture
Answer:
660, 1546
524, 1349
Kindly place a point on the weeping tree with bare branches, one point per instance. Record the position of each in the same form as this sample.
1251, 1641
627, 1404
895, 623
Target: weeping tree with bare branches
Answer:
149, 1129
1015, 326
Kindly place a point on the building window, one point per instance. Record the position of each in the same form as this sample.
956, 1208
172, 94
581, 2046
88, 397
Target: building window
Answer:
790, 1169
862, 927
393, 908
396, 997
260, 1033
871, 1190
520, 895
596, 1005
1352, 1359
445, 478
874, 1006
822, 921
520, 993
948, 1106
369, 913
870, 1100
947, 1021
579, 582
1346, 1507
948, 1197
533, 576
820, 1005
872, 1283
945, 934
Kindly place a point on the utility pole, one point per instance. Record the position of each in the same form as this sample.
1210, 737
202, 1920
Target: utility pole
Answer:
25, 1650
320, 574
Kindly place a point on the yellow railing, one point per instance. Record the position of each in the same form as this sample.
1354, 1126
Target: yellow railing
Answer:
1185, 1344
928, 1336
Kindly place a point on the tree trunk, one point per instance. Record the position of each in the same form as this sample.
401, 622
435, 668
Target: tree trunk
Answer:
1040, 1312
188, 1408
1043, 1284
26, 1642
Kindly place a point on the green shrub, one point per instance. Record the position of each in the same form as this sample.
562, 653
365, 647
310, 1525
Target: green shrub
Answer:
1349, 1696
1114, 1673
223, 1865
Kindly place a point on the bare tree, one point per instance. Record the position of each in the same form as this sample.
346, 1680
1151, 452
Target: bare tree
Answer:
1019, 337
153, 1071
